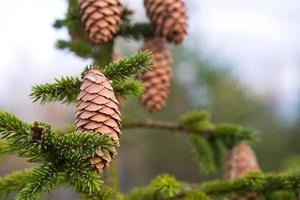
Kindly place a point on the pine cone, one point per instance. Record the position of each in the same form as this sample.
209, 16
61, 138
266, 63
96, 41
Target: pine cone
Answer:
98, 111
100, 18
157, 81
168, 18
240, 161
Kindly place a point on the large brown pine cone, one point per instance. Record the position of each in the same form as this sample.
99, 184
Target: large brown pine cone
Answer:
100, 18
240, 161
169, 18
157, 81
98, 111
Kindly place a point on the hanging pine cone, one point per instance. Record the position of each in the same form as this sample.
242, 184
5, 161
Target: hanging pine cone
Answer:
98, 111
100, 18
157, 81
168, 18
240, 161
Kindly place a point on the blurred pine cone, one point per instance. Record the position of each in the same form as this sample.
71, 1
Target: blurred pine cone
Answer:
157, 81
240, 161
168, 18
98, 111
100, 18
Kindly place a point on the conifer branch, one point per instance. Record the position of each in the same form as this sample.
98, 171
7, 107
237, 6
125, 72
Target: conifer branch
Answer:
4, 146
166, 187
83, 178
59, 23
17, 134
40, 144
106, 193
72, 18
78, 145
209, 140
14, 181
79, 47
135, 31
119, 71
263, 184
231, 133
163, 125
42, 179
58, 154
64, 89
254, 182
9, 125
204, 156
128, 88
162, 187
103, 55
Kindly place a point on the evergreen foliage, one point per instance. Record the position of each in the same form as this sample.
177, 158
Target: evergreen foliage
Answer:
127, 67
66, 89
60, 155
79, 47
14, 181
210, 141
63, 155
135, 31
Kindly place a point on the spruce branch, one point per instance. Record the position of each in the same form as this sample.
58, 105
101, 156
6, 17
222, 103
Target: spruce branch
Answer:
203, 152
254, 182
135, 31
78, 46
41, 180
106, 193
64, 89
128, 88
119, 71
4, 146
83, 178
67, 93
59, 154
14, 181
40, 144
18, 135
209, 140
232, 134
9, 125
150, 124
205, 129
59, 23
81, 144
72, 18
196, 195
103, 54
268, 185
163, 187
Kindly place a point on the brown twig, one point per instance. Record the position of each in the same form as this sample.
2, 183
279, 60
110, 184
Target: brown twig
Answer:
156, 125
169, 126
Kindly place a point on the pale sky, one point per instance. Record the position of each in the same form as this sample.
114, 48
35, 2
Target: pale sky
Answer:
259, 38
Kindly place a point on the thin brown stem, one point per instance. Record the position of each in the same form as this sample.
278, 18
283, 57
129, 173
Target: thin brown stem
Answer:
170, 126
